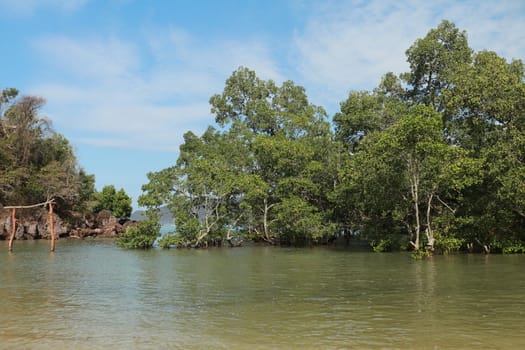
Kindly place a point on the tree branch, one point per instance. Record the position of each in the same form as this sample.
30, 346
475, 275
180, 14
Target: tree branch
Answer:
30, 206
446, 205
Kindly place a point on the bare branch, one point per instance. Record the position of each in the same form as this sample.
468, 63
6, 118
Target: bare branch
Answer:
51, 201
446, 205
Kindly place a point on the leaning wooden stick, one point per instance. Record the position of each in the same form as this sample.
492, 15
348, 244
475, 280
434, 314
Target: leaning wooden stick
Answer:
13, 228
52, 226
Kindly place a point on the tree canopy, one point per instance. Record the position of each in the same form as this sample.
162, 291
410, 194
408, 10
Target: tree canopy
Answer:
117, 202
432, 158
36, 162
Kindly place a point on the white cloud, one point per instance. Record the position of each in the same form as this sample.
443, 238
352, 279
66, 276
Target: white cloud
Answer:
349, 45
94, 58
213, 56
156, 86
492, 26
140, 96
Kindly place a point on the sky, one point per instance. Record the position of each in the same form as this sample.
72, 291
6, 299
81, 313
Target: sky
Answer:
125, 79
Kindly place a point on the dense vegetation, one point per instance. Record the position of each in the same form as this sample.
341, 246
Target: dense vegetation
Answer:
117, 202
38, 164
432, 158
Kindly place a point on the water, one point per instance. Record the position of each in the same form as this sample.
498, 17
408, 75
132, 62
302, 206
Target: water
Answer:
94, 295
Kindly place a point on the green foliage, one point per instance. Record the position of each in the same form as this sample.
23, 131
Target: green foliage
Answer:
508, 246
433, 157
141, 236
388, 243
117, 202
170, 240
515, 248
421, 254
269, 162
381, 245
300, 222
443, 156
37, 163
433, 60
446, 245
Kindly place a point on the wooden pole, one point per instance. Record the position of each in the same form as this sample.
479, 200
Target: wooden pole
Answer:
13, 221
52, 227
13, 228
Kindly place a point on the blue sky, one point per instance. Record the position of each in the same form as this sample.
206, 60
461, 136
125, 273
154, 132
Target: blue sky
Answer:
124, 79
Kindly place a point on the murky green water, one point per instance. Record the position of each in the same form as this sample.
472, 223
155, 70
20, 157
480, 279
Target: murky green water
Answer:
93, 295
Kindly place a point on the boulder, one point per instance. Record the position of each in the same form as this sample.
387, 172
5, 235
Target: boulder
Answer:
103, 218
31, 229
112, 228
35, 225
43, 229
20, 232
4, 232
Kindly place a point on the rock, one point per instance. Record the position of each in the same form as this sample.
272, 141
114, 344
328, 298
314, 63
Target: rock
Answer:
112, 228
103, 218
4, 233
20, 232
31, 229
35, 225
43, 230
61, 228
28, 237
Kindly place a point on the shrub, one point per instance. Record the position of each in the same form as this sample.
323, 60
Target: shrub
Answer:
514, 248
141, 236
446, 245
170, 240
381, 245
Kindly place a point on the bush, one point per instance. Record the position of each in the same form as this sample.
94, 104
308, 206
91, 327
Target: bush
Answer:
446, 245
508, 246
515, 248
381, 245
388, 243
421, 254
170, 240
117, 202
141, 236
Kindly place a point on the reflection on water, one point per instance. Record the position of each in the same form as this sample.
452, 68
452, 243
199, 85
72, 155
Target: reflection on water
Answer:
94, 295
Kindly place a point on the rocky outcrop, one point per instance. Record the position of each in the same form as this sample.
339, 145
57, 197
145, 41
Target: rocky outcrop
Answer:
36, 226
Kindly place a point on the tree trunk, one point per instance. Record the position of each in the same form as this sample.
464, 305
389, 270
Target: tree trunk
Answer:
52, 226
418, 226
486, 248
13, 229
266, 227
429, 232
413, 175
229, 239
200, 237
265, 218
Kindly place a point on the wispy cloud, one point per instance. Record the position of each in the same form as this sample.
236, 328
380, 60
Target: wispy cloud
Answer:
91, 59
145, 94
349, 45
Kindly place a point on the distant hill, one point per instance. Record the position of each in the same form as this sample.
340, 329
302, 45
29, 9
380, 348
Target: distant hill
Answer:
166, 218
